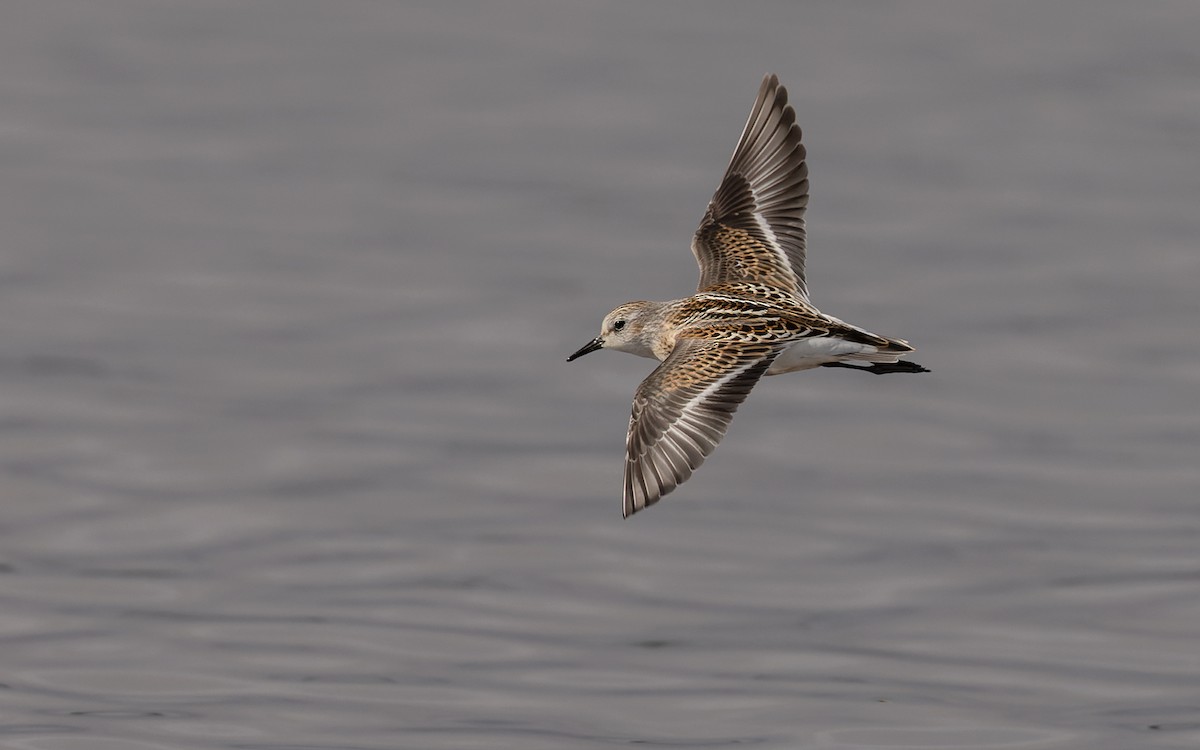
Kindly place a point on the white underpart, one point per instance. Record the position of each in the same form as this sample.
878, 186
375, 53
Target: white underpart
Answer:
808, 353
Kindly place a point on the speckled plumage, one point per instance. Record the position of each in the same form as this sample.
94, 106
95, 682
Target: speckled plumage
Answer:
749, 317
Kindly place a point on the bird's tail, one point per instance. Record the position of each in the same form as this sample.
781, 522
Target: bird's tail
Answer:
881, 355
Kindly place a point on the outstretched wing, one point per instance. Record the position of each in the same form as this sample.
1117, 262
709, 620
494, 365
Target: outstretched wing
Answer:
753, 229
681, 411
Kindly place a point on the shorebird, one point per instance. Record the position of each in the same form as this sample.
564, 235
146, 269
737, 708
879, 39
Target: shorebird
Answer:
750, 315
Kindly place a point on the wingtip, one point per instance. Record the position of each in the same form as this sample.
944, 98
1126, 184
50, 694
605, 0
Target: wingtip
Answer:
630, 505
770, 83
631, 508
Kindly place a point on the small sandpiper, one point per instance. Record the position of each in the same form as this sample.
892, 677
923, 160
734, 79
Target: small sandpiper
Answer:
750, 316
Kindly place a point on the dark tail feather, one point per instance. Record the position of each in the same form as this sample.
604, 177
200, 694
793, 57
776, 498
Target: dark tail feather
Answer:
882, 368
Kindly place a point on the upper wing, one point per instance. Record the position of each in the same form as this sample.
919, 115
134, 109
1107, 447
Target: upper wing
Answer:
753, 229
681, 411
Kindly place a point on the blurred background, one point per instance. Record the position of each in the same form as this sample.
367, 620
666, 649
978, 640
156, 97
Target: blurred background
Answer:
290, 457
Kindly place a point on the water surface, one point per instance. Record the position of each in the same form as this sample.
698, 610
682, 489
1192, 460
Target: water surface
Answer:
291, 458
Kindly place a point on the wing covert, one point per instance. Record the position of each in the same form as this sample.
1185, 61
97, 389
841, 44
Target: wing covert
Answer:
681, 412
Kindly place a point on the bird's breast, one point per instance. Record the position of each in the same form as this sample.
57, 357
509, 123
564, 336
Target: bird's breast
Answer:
663, 343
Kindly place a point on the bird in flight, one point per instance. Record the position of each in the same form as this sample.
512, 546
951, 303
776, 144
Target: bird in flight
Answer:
749, 317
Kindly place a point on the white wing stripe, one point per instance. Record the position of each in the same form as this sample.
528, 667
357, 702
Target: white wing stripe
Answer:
769, 233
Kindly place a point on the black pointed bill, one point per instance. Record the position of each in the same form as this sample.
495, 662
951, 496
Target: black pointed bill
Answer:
591, 346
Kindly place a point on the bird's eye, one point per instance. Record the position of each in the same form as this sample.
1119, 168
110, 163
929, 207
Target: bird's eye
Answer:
618, 325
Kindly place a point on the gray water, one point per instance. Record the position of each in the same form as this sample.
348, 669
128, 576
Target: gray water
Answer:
290, 457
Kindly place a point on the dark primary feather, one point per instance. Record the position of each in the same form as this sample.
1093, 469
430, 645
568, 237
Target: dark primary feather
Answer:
754, 229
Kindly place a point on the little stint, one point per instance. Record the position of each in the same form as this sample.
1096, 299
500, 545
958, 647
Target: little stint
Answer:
750, 316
